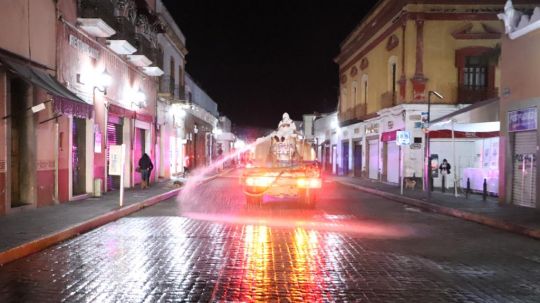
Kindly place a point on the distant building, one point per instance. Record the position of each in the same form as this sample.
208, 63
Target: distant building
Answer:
200, 123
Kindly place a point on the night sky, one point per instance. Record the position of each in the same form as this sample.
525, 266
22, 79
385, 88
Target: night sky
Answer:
258, 59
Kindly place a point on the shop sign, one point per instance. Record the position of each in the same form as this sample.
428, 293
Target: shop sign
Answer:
522, 120
372, 129
416, 146
403, 137
83, 47
415, 117
115, 160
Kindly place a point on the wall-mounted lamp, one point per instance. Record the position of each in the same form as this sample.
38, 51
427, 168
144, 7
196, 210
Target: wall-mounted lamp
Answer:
138, 99
99, 81
217, 132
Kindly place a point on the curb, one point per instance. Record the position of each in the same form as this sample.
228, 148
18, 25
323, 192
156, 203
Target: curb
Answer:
453, 212
42, 243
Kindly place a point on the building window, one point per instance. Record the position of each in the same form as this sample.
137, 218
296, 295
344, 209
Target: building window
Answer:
172, 70
354, 95
475, 72
365, 89
180, 75
392, 77
393, 69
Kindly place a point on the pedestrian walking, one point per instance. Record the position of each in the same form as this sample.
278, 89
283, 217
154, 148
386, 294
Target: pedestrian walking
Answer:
145, 168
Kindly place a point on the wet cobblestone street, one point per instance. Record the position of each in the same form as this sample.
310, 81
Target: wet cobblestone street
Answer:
208, 246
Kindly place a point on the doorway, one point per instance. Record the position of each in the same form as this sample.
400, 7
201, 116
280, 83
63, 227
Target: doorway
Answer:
78, 156
357, 155
345, 158
114, 137
18, 94
140, 149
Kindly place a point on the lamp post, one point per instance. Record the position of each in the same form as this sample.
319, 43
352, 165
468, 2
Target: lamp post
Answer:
427, 166
101, 83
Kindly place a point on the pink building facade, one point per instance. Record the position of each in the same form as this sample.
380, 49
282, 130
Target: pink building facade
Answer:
57, 118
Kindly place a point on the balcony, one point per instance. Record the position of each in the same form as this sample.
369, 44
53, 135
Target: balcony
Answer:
96, 17
360, 111
388, 99
468, 94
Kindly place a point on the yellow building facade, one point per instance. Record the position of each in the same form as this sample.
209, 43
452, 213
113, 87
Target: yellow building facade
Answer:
402, 50
389, 63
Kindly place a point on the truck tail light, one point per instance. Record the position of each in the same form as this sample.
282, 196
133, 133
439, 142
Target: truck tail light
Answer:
309, 183
259, 181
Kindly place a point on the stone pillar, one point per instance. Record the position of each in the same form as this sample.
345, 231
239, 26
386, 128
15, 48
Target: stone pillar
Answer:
28, 156
418, 80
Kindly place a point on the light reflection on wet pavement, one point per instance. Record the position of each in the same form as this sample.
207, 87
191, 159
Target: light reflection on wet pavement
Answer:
211, 247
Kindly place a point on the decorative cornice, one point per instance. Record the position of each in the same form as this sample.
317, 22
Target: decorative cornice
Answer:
349, 50
516, 23
392, 42
464, 33
364, 63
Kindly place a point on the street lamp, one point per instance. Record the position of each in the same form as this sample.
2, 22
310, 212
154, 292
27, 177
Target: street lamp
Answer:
427, 167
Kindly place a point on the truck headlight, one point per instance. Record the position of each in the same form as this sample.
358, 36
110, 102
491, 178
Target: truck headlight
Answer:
309, 183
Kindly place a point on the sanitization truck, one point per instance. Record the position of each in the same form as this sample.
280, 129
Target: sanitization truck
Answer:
284, 165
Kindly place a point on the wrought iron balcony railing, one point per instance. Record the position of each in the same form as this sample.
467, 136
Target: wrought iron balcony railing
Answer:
470, 94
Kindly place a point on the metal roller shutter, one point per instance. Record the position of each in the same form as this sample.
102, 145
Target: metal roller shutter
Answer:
393, 162
114, 137
374, 159
524, 177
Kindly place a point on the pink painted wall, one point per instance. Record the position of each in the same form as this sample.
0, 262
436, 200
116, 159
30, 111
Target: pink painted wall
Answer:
126, 79
44, 151
27, 28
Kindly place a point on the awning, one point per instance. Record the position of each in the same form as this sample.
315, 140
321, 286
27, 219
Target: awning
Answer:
465, 130
64, 101
465, 109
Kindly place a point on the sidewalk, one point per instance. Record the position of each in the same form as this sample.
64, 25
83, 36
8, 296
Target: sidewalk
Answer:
521, 220
26, 232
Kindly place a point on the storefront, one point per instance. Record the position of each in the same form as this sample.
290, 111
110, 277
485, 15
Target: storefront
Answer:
520, 98
522, 128
391, 160
472, 150
373, 149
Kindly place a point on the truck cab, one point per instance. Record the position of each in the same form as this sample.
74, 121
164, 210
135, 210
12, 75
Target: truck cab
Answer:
284, 166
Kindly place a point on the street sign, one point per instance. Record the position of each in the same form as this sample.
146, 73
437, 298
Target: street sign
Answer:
403, 137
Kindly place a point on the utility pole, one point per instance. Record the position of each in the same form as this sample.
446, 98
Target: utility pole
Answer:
427, 157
